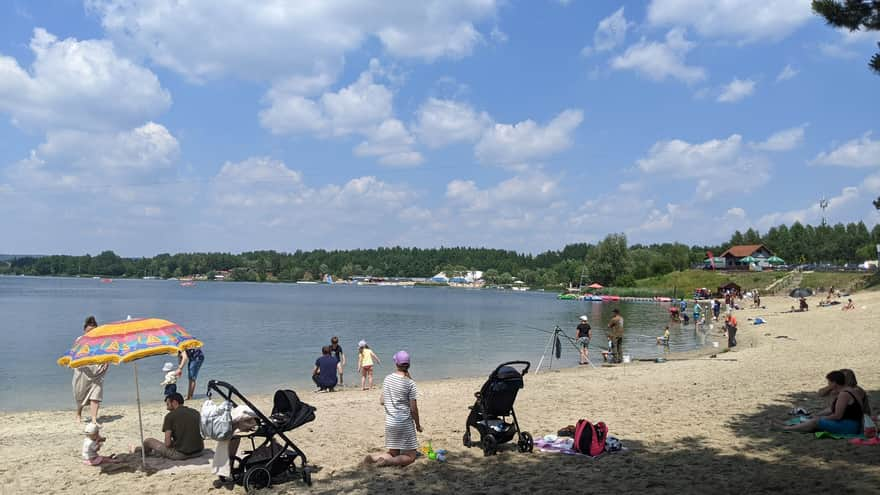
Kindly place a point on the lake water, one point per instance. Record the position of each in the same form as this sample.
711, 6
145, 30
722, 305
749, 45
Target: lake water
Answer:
261, 337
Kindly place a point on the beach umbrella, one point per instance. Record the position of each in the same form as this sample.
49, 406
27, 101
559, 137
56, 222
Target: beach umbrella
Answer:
775, 260
748, 259
125, 342
595, 286
801, 292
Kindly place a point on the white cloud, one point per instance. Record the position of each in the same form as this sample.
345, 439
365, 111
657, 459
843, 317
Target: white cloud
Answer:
784, 140
526, 141
860, 152
262, 192
848, 197
742, 20
660, 61
534, 189
392, 143
78, 85
364, 107
71, 159
787, 72
354, 108
836, 50
662, 220
736, 90
443, 122
710, 163
266, 41
610, 33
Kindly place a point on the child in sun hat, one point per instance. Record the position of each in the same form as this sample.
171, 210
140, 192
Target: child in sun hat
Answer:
366, 356
92, 444
170, 381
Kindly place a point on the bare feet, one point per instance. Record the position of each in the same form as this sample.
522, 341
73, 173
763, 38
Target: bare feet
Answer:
368, 459
381, 461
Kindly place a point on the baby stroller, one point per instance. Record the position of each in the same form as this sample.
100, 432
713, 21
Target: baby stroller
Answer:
274, 457
494, 403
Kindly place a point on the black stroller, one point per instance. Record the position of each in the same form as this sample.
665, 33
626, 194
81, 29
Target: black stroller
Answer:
494, 403
274, 458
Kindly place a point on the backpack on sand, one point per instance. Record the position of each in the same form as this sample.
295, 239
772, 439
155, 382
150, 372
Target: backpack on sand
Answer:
589, 438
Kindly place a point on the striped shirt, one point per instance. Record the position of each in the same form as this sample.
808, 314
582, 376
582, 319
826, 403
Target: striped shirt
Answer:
400, 431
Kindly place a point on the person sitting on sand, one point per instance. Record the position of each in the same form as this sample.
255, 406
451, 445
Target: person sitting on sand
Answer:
608, 352
849, 305
399, 394
324, 374
803, 304
845, 415
92, 444
852, 385
183, 439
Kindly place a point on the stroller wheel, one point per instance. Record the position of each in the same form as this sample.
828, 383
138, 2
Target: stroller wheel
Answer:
490, 445
257, 478
307, 475
526, 443
466, 439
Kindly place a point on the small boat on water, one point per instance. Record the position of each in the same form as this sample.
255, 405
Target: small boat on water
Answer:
188, 283
567, 297
106, 280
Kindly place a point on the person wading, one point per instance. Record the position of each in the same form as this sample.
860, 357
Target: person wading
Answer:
615, 335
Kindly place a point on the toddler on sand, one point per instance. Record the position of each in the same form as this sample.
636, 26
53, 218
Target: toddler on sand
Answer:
92, 444
170, 381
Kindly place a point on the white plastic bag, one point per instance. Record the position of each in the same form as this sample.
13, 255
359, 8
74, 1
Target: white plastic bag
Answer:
216, 420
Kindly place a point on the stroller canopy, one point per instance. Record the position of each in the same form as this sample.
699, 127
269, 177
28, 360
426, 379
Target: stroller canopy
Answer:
499, 392
288, 412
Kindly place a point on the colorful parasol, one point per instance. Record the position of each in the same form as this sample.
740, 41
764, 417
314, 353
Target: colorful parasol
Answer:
127, 341
595, 286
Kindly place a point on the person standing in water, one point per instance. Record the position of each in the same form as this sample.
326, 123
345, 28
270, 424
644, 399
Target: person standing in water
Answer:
584, 334
615, 334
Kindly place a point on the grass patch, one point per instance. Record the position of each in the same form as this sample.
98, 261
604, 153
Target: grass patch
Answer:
689, 280
840, 280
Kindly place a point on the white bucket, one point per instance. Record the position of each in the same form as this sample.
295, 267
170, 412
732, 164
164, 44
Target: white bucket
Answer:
626, 358
714, 344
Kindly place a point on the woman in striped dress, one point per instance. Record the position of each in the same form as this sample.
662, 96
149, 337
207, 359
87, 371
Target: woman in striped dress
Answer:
401, 416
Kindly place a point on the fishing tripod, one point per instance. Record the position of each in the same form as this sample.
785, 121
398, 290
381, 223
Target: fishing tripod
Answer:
554, 348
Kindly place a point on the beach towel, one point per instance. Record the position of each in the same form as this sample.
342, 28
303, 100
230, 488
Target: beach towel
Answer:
837, 436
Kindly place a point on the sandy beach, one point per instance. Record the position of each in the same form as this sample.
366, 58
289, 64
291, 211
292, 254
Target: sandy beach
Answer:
691, 425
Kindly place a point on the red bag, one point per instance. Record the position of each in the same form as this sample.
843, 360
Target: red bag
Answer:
589, 438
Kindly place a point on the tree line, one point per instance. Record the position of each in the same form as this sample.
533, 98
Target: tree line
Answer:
611, 261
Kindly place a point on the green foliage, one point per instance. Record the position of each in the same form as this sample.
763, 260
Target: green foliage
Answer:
853, 15
610, 262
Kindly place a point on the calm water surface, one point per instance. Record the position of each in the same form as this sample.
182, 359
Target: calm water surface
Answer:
261, 337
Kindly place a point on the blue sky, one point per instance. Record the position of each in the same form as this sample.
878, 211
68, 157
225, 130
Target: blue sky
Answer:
168, 126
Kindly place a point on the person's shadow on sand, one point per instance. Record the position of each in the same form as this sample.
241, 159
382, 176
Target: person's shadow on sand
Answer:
129, 463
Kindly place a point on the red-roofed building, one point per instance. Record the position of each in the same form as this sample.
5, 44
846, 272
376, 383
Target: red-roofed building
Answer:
758, 251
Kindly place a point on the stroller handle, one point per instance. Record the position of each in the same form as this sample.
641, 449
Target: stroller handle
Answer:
524, 371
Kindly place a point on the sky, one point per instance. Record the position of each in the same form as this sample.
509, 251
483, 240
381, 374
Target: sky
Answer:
219, 125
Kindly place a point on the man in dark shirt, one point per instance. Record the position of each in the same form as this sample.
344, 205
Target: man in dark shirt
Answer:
584, 334
326, 367
336, 349
182, 436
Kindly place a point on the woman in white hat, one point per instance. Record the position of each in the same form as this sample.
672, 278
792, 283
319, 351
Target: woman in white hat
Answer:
366, 357
584, 334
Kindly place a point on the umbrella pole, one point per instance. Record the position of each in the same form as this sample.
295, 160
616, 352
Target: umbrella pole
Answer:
137, 389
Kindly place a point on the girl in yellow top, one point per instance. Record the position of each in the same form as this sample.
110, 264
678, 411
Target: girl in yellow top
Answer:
366, 356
